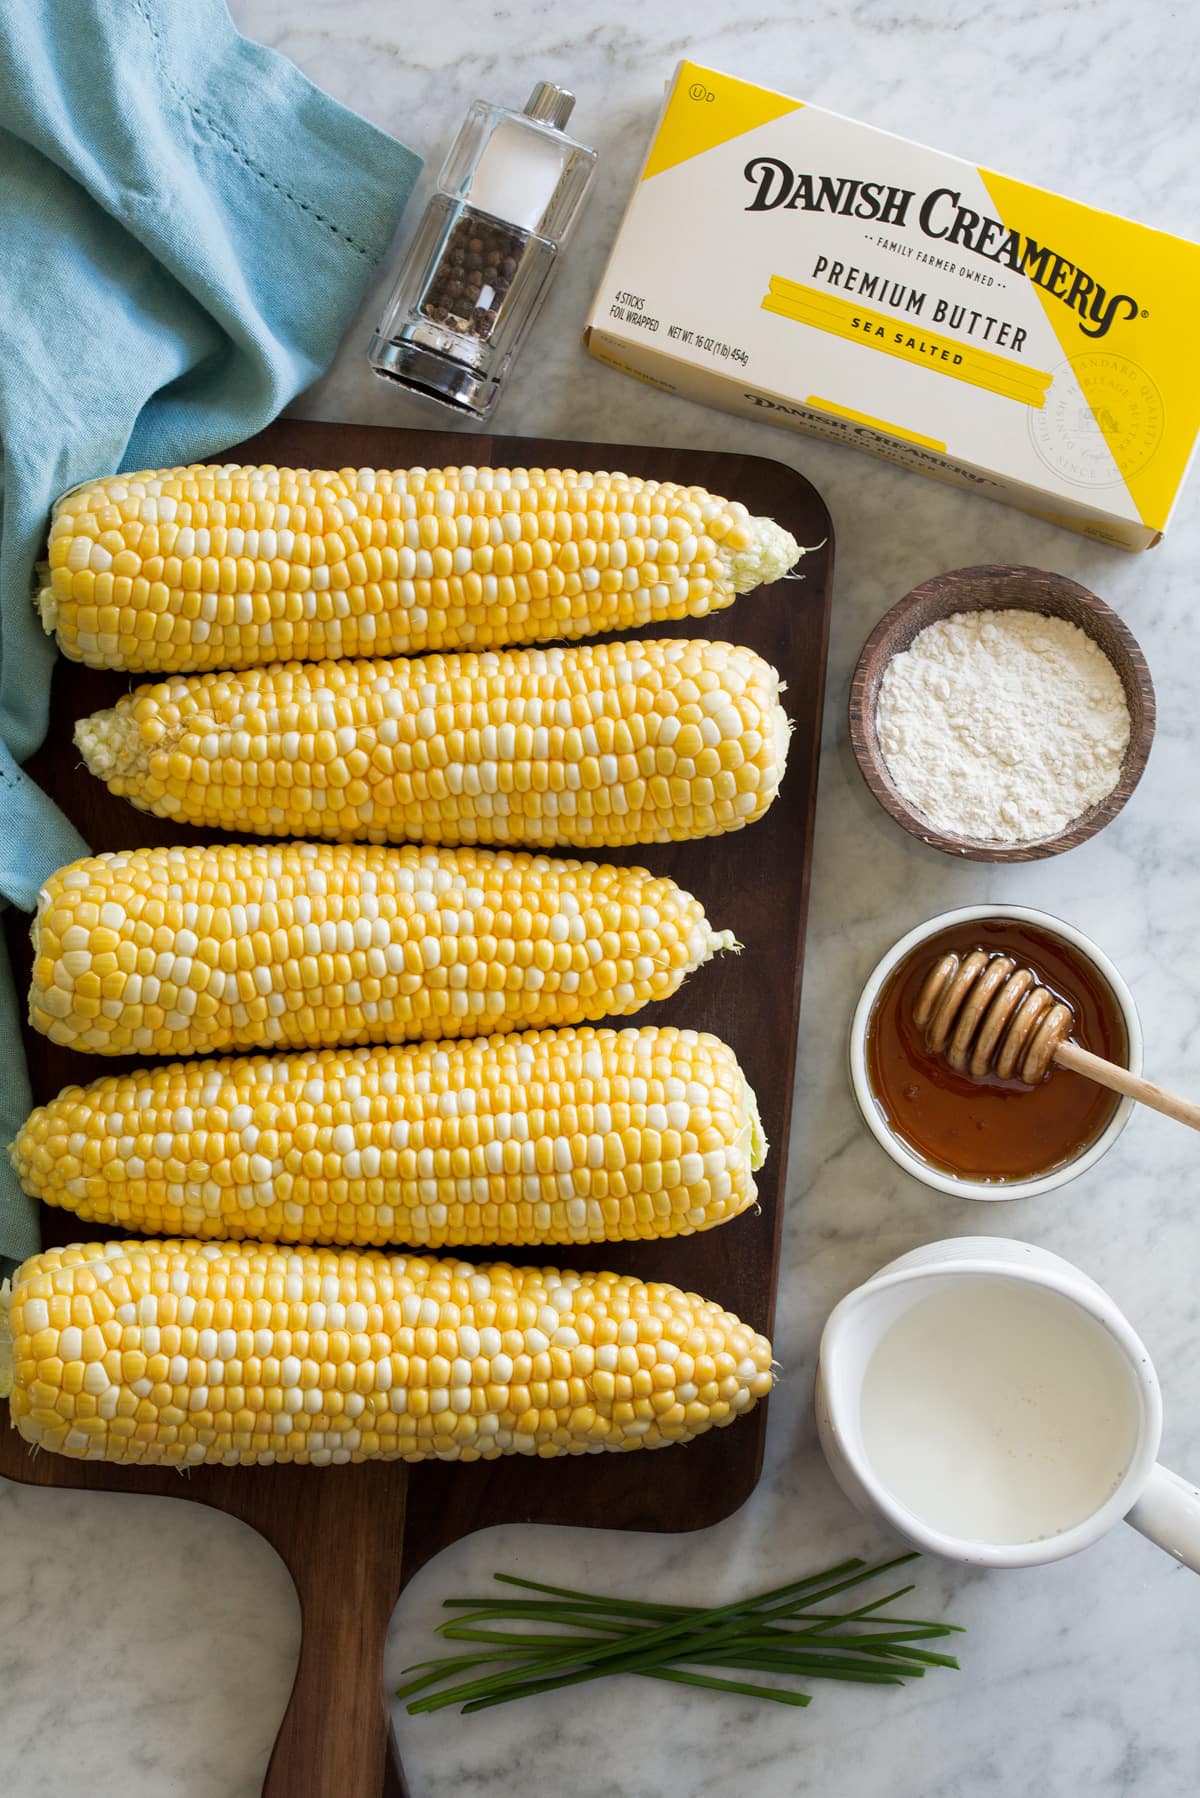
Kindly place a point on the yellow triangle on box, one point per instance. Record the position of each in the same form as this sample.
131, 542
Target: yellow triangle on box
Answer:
1149, 440
707, 109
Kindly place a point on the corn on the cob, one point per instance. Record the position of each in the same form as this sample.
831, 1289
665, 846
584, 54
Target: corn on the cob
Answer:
589, 747
180, 569
558, 1136
181, 1352
190, 950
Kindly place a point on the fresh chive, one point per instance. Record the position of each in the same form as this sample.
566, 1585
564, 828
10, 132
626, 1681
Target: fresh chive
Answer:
564, 1637
777, 1693
731, 1685
714, 1626
632, 1604
475, 1619
529, 1638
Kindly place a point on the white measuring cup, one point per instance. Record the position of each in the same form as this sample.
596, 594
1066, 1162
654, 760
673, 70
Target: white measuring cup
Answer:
1155, 1501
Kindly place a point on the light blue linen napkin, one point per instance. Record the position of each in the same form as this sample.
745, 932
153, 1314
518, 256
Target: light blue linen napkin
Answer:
187, 228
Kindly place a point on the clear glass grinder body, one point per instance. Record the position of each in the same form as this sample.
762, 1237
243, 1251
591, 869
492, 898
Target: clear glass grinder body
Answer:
484, 252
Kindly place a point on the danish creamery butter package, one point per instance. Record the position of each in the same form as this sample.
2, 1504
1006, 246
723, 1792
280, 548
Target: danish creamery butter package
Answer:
783, 262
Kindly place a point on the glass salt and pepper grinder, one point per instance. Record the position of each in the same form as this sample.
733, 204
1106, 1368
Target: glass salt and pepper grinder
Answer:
485, 250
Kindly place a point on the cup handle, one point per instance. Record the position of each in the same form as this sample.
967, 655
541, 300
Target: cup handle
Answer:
1168, 1512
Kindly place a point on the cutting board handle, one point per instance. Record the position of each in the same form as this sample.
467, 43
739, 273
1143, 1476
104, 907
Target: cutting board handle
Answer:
335, 1738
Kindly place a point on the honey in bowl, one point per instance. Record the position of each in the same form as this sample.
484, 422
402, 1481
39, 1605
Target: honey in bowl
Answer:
993, 1130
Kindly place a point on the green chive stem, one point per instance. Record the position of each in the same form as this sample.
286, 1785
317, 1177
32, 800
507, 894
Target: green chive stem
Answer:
583, 1637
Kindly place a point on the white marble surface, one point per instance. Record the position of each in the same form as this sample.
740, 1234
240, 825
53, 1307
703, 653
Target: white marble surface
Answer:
146, 1647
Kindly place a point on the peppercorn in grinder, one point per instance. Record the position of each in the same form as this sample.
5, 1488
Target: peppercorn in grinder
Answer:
485, 250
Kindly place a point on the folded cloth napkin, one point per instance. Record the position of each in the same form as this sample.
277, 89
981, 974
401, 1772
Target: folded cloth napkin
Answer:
188, 225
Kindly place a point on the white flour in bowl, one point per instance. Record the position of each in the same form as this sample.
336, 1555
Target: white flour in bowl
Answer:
1002, 726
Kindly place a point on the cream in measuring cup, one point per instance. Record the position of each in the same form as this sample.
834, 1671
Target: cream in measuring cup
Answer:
999, 1412
994, 1405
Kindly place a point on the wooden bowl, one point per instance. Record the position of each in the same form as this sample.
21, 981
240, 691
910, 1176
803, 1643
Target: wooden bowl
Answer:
997, 589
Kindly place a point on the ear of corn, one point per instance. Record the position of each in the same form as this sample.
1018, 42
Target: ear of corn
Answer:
594, 746
562, 1136
183, 569
179, 1353
191, 950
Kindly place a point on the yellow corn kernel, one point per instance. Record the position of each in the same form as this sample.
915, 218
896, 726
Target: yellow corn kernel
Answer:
233, 567
505, 1139
305, 945
498, 748
323, 1297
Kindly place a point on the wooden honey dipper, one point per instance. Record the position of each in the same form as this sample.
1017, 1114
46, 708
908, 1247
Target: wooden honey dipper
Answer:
985, 1015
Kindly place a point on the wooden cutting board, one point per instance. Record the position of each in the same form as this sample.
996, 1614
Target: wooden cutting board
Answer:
353, 1536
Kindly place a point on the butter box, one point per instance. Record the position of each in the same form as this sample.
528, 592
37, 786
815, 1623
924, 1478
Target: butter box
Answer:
780, 261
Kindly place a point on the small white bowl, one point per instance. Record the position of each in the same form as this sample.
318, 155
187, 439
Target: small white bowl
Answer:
899, 1151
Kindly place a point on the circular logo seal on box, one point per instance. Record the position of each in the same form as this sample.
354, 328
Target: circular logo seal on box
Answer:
1111, 412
